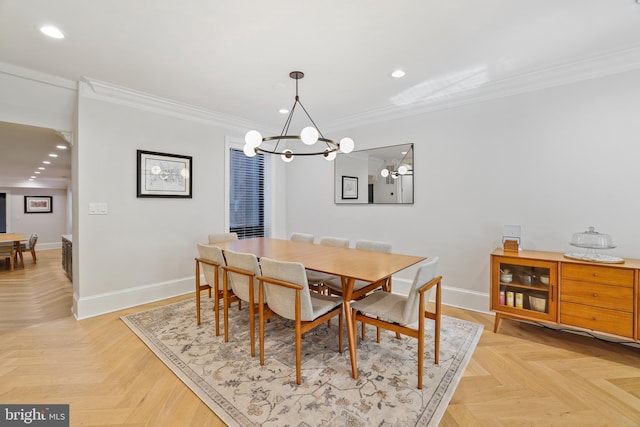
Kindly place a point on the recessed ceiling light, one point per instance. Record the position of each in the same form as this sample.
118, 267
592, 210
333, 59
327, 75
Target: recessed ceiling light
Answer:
36, 172
283, 111
53, 155
51, 31
32, 178
61, 147
41, 168
46, 162
398, 74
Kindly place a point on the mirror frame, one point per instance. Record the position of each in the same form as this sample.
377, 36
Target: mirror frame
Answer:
357, 177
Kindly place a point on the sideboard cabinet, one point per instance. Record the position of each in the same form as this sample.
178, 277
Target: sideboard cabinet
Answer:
548, 287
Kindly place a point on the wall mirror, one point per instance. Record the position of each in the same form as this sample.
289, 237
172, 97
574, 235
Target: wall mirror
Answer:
375, 176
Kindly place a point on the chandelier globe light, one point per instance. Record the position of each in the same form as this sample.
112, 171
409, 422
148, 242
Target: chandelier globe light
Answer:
309, 136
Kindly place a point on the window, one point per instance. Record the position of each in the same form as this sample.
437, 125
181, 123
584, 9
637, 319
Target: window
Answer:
248, 198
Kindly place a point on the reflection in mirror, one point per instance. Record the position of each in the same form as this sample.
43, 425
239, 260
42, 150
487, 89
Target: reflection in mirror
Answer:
378, 176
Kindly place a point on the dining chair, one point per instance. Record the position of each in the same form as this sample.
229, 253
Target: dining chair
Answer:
400, 313
222, 237
30, 246
210, 260
8, 250
241, 272
360, 287
284, 285
302, 237
318, 281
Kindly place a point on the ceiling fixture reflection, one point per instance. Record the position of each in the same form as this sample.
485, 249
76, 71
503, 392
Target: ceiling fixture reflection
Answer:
51, 31
254, 141
403, 168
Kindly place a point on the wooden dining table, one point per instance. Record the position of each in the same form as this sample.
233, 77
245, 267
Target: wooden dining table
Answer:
16, 239
348, 263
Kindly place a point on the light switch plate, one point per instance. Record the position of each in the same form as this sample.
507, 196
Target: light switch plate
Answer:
97, 208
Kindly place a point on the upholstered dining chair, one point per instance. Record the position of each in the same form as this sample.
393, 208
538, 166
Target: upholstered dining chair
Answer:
318, 281
405, 314
30, 246
361, 288
210, 260
222, 237
302, 237
241, 272
8, 250
285, 287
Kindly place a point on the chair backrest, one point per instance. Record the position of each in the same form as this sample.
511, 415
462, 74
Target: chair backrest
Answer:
302, 237
425, 273
282, 299
371, 245
335, 241
240, 282
222, 237
211, 253
7, 249
33, 240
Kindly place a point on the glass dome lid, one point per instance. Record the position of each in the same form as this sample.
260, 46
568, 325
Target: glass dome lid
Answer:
591, 239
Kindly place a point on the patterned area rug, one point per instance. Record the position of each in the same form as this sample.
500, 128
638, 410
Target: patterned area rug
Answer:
243, 393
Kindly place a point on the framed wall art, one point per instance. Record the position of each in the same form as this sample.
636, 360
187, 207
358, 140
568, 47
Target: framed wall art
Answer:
163, 175
38, 204
349, 187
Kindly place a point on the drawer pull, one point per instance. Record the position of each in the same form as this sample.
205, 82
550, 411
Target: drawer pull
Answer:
595, 295
594, 318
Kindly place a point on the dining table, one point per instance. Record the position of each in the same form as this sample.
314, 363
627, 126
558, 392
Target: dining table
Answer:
348, 263
16, 239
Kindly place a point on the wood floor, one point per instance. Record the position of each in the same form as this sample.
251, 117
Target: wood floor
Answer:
524, 375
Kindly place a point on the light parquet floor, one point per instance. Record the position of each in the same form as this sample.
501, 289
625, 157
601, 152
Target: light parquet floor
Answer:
524, 375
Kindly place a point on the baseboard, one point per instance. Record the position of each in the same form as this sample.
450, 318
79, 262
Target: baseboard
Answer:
454, 297
109, 302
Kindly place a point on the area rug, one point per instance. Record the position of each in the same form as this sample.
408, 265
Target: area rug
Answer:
243, 393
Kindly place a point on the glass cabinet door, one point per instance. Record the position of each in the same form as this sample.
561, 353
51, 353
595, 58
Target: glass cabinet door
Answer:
524, 287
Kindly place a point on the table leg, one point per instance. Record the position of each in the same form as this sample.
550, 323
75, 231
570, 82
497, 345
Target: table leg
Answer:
347, 289
19, 252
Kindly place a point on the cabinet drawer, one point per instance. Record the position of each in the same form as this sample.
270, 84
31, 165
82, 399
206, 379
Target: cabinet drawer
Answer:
598, 295
589, 273
598, 319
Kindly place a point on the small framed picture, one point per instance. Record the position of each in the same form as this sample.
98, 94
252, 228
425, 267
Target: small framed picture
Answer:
38, 204
349, 187
163, 175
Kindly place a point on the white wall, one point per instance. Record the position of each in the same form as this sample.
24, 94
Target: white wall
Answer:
554, 161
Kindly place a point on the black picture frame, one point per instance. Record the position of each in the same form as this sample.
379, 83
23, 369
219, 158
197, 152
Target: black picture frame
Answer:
38, 204
349, 187
163, 175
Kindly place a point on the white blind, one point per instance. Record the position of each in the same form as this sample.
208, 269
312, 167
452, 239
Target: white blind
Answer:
248, 195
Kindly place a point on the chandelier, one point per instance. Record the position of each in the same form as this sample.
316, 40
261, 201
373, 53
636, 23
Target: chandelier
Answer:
403, 168
254, 141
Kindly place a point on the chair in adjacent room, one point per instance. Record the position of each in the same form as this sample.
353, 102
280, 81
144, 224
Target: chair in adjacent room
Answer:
241, 272
361, 288
318, 281
210, 260
222, 237
302, 237
400, 313
30, 246
285, 287
8, 251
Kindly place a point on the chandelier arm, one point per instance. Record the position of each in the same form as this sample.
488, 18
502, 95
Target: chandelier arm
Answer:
311, 120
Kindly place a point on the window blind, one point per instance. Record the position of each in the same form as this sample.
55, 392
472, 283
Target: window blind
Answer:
248, 201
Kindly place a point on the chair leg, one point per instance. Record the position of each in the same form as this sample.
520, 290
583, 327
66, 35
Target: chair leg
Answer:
340, 331
298, 351
35, 259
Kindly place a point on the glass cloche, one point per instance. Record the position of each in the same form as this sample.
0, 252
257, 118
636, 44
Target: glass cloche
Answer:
591, 240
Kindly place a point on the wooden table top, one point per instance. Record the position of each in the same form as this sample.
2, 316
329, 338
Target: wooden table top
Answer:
13, 237
352, 263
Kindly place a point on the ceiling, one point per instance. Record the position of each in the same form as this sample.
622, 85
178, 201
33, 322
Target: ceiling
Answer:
233, 57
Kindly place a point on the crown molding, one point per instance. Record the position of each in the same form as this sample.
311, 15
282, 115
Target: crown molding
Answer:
97, 89
37, 76
542, 78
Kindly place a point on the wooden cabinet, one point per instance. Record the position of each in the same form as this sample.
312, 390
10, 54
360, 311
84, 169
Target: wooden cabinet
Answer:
67, 256
603, 298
